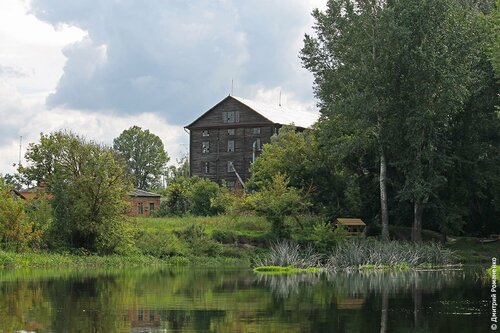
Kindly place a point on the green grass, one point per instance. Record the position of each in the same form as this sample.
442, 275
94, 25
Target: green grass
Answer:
403, 266
275, 270
489, 273
470, 251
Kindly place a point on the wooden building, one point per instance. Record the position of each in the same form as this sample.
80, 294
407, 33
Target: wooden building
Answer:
143, 203
354, 226
226, 139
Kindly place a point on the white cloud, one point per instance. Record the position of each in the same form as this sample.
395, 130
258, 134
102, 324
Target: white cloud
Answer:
99, 67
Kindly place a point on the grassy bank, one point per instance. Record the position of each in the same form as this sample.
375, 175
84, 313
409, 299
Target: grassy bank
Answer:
54, 260
201, 241
470, 251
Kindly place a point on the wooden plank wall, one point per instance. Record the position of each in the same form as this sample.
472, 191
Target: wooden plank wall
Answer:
218, 155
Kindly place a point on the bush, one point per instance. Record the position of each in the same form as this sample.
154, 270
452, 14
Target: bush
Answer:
325, 237
15, 227
224, 237
198, 241
202, 193
160, 244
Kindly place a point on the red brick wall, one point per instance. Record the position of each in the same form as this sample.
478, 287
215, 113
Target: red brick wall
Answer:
146, 201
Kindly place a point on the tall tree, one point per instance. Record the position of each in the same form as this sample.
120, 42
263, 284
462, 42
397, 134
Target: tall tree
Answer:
89, 186
437, 51
348, 58
144, 156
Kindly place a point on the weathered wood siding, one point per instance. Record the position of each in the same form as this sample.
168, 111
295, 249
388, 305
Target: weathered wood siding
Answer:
218, 137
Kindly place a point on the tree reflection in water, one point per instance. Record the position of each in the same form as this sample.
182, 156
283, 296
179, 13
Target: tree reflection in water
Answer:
209, 300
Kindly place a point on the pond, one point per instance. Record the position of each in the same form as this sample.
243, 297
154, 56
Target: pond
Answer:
209, 300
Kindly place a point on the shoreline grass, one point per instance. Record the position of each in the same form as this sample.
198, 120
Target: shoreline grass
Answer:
9, 260
356, 254
276, 270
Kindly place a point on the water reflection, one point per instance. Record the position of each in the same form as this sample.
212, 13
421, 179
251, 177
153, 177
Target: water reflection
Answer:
200, 300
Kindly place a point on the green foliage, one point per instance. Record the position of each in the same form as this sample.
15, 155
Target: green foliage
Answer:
356, 253
325, 237
159, 244
410, 83
202, 193
194, 195
15, 228
289, 254
198, 241
298, 155
144, 156
90, 191
41, 217
276, 201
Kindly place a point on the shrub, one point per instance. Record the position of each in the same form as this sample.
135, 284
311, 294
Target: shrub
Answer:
203, 193
160, 244
198, 241
325, 237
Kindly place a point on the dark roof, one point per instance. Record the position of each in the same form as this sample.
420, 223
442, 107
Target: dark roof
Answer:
141, 193
349, 221
277, 115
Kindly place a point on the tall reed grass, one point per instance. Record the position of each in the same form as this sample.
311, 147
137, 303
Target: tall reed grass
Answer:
357, 253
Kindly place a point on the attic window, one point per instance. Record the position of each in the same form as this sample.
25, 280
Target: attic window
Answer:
205, 133
231, 117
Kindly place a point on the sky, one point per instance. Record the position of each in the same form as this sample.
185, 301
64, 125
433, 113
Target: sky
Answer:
98, 67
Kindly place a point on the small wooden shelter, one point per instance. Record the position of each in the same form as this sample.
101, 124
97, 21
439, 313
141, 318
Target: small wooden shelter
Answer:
354, 226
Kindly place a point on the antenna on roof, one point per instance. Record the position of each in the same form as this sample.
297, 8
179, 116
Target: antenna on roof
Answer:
20, 143
232, 84
280, 98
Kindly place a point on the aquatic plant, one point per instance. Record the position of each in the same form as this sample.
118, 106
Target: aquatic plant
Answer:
286, 254
356, 253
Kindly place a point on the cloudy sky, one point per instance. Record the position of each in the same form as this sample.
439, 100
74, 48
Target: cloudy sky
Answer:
98, 67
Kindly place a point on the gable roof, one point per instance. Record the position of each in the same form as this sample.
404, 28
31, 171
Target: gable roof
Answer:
275, 114
349, 221
141, 193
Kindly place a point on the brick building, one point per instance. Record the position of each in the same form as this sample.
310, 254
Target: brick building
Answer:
143, 203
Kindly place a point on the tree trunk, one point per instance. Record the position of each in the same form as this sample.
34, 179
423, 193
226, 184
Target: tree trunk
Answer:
383, 195
418, 209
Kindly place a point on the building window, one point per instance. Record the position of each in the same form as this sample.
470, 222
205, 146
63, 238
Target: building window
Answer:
230, 185
230, 166
140, 208
257, 144
231, 131
205, 133
205, 147
256, 130
230, 146
151, 208
231, 117
206, 167
140, 315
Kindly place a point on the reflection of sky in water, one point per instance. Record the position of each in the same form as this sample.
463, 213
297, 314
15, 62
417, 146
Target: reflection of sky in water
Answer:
205, 300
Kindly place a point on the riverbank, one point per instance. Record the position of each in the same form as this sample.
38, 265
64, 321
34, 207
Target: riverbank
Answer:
211, 241
55, 260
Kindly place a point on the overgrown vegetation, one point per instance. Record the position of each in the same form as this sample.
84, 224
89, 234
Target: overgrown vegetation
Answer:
362, 254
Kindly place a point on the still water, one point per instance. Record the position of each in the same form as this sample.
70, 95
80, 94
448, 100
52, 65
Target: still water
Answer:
209, 300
